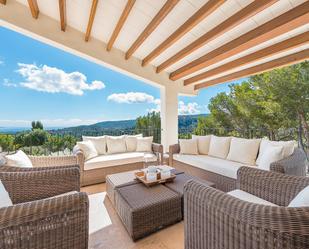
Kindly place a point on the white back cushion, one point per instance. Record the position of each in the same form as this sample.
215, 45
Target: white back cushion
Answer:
88, 149
98, 142
144, 144
288, 148
301, 199
219, 146
131, 142
116, 144
5, 199
244, 150
271, 154
203, 143
188, 146
19, 159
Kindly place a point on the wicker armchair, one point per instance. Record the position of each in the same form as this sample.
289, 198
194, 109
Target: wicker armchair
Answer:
38, 219
214, 219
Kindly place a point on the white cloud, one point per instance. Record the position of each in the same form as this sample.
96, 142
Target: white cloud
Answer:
54, 80
6, 82
131, 98
60, 122
190, 108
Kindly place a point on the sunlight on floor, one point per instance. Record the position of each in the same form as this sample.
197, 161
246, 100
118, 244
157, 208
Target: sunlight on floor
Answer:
98, 215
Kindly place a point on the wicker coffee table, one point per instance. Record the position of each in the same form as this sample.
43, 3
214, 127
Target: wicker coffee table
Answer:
144, 210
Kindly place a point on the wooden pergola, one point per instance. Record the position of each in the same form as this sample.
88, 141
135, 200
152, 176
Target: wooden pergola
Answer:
201, 71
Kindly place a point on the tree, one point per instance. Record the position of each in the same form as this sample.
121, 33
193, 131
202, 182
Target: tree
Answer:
149, 125
37, 125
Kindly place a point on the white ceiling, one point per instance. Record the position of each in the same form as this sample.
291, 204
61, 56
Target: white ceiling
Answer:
109, 11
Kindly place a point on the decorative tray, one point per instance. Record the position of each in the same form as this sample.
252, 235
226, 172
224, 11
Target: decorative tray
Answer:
141, 176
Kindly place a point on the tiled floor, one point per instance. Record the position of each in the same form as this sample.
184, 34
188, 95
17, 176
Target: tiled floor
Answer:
107, 231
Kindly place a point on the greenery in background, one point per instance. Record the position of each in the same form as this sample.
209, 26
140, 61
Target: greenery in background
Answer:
149, 125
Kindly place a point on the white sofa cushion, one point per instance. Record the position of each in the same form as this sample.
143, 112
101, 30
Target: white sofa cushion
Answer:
273, 153
144, 144
19, 159
98, 142
244, 150
212, 164
203, 143
5, 199
116, 144
188, 146
2, 160
245, 196
219, 146
87, 147
288, 148
112, 160
301, 199
131, 142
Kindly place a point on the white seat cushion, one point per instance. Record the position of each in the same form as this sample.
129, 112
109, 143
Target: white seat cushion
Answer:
301, 199
19, 159
244, 150
212, 164
245, 196
112, 160
5, 199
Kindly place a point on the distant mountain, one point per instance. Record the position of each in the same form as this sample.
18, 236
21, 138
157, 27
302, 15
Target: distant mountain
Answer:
185, 122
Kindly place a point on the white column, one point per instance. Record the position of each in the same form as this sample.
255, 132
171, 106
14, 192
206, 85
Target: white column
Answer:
169, 116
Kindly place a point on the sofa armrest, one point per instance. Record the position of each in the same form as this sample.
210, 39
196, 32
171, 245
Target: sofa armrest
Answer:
212, 216
295, 164
272, 186
60, 222
173, 149
36, 185
79, 154
53, 161
158, 149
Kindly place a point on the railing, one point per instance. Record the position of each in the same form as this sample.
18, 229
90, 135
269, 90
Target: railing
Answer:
61, 143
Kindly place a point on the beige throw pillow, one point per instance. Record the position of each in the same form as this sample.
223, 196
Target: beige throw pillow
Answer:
244, 150
87, 147
288, 148
203, 143
188, 146
131, 142
98, 142
19, 159
116, 144
219, 146
144, 144
272, 153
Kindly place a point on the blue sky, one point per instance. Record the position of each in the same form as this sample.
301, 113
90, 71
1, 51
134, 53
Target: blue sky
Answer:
32, 77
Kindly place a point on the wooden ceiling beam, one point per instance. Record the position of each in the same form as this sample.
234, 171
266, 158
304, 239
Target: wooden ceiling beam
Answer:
91, 19
239, 17
288, 21
63, 15
3, 1
280, 47
164, 11
195, 19
277, 63
120, 23
34, 8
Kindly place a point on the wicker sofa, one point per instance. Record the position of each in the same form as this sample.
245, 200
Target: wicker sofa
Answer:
214, 219
223, 172
95, 170
39, 218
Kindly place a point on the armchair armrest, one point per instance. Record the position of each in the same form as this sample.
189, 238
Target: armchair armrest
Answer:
295, 164
60, 222
213, 217
53, 161
272, 186
36, 185
158, 148
173, 149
